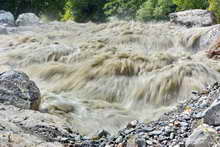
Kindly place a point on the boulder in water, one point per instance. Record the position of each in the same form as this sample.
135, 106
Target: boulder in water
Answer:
17, 89
196, 17
6, 18
27, 19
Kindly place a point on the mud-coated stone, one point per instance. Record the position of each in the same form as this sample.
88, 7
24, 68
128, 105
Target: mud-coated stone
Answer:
196, 17
17, 89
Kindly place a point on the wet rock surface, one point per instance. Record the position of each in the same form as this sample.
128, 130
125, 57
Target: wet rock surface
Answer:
27, 19
196, 17
6, 18
17, 89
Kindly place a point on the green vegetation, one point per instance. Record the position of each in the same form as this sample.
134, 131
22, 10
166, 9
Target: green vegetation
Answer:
155, 9
215, 7
122, 8
191, 4
99, 10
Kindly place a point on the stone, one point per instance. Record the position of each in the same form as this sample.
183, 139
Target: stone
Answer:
103, 133
6, 18
155, 133
132, 124
17, 89
212, 115
196, 17
201, 137
27, 19
30, 128
119, 139
141, 142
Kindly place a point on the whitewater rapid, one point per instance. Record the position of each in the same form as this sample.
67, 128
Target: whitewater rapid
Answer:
100, 76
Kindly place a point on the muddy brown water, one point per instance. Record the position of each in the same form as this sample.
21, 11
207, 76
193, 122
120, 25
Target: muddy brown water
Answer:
101, 76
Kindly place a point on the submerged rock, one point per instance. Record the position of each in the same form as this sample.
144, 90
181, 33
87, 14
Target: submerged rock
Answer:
196, 17
17, 89
6, 18
27, 19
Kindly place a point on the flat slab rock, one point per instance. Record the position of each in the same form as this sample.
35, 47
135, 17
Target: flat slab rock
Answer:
20, 127
196, 17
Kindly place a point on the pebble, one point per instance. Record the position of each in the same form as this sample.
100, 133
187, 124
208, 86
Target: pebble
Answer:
132, 124
119, 139
103, 133
141, 142
155, 133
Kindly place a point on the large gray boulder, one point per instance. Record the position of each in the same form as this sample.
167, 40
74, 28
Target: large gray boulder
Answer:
203, 136
17, 89
196, 17
27, 19
212, 114
6, 18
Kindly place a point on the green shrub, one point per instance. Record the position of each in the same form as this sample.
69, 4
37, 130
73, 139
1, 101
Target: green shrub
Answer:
122, 8
155, 9
68, 11
191, 4
214, 5
85, 10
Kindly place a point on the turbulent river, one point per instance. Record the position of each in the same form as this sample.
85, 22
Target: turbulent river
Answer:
100, 76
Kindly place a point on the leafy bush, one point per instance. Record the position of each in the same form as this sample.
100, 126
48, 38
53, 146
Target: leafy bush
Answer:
122, 8
155, 9
215, 7
68, 11
85, 10
191, 4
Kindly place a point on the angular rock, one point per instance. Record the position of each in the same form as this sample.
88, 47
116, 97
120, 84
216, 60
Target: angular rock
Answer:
203, 136
212, 115
17, 89
6, 18
196, 17
27, 19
